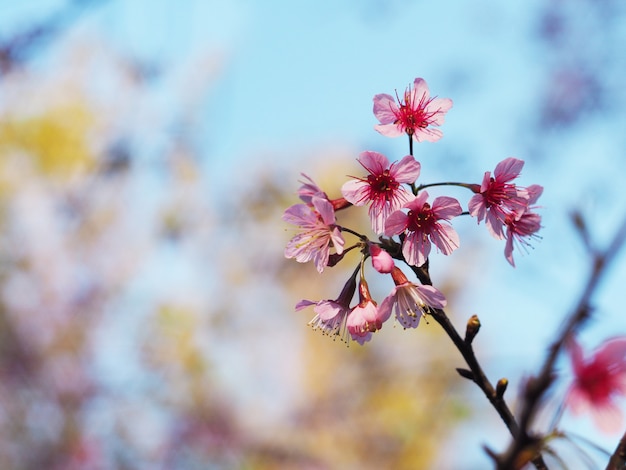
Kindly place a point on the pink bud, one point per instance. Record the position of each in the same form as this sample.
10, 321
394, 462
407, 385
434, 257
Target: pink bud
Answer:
381, 260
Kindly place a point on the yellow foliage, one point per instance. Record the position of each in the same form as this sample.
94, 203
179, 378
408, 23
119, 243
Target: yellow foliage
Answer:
176, 328
56, 140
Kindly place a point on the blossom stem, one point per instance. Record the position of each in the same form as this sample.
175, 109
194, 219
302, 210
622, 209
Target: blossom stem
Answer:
410, 144
356, 234
469, 186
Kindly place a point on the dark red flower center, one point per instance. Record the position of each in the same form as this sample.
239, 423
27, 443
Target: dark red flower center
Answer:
382, 186
422, 220
598, 381
412, 115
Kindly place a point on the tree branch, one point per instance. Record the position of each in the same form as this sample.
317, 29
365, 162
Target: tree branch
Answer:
538, 385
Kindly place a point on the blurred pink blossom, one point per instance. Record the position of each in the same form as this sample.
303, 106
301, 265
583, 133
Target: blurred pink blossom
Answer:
598, 381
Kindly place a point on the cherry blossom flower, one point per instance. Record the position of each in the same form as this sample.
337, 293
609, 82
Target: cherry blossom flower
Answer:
331, 315
411, 115
521, 227
497, 197
382, 187
381, 260
422, 226
318, 232
410, 301
365, 318
598, 381
310, 189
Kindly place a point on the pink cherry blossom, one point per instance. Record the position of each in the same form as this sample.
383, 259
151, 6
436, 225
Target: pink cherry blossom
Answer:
331, 315
423, 225
381, 260
498, 197
522, 226
310, 189
365, 318
410, 301
319, 231
598, 381
382, 187
411, 115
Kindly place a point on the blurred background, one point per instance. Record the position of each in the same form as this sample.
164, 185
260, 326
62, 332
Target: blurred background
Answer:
147, 152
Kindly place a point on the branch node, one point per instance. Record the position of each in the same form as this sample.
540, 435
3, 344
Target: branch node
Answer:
473, 325
466, 373
501, 386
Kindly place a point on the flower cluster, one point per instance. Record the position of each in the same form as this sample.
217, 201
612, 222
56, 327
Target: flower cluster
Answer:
407, 222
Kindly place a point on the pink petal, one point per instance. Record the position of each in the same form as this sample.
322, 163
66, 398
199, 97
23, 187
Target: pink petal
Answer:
613, 351
384, 107
439, 106
325, 208
494, 224
477, 207
445, 238
396, 223
508, 249
303, 304
374, 162
427, 134
577, 400
299, 214
446, 208
418, 202
355, 192
415, 249
420, 90
406, 170
337, 239
608, 418
385, 307
508, 169
432, 296
534, 191
388, 130
328, 309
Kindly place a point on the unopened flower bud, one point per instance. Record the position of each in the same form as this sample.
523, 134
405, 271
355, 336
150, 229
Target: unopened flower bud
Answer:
340, 203
501, 386
381, 260
473, 325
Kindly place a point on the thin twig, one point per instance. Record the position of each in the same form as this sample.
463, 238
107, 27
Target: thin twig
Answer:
476, 373
538, 385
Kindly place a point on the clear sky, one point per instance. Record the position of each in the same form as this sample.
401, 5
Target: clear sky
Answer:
299, 75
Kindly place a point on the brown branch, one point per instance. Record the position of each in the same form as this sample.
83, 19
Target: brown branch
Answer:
494, 395
538, 385
475, 372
